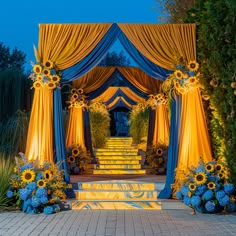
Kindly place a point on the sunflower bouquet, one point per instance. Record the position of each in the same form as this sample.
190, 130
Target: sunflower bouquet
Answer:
37, 188
185, 77
206, 188
45, 75
77, 99
78, 159
157, 157
155, 100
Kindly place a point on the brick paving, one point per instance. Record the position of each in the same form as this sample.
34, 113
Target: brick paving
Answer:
117, 223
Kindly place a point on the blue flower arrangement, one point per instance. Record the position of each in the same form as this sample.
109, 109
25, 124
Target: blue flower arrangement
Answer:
206, 188
35, 188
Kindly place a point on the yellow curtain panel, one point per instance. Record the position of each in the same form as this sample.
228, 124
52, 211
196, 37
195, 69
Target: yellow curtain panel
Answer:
161, 126
40, 134
67, 44
140, 79
116, 100
75, 128
194, 139
106, 95
132, 95
94, 79
163, 44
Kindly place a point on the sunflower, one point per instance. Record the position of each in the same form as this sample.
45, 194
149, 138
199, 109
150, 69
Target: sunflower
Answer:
28, 176
37, 85
178, 74
200, 178
192, 187
39, 78
159, 152
193, 66
82, 99
206, 97
151, 96
80, 91
176, 85
48, 64
219, 167
46, 72
51, 85
209, 167
192, 80
221, 175
75, 152
55, 78
73, 90
211, 185
74, 96
47, 174
71, 159
41, 183
37, 69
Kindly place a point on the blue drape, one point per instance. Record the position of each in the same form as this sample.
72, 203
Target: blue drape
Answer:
173, 147
147, 66
87, 132
59, 135
151, 121
120, 103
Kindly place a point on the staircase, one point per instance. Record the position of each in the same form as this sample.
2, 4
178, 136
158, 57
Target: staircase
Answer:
118, 157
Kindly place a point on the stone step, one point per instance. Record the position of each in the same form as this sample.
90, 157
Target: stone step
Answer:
118, 146
123, 195
113, 167
119, 157
119, 138
119, 172
118, 162
123, 149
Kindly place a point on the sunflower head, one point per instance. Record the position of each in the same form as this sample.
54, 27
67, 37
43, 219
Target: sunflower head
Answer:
82, 99
200, 178
48, 64
221, 175
74, 96
211, 185
37, 69
55, 78
159, 152
209, 167
28, 176
192, 80
47, 174
192, 187
206, 97
75, 152
39, 78
73, 90
46, 72
178, 74
71, 159
218, 167
176, 85
51, 85
193, 66
37, 85
151, 96
80, 91
41, 183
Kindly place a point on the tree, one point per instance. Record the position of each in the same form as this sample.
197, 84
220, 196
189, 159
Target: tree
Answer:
174, 11
115, 59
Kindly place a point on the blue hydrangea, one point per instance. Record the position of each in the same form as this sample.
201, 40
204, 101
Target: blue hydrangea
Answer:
213, 178
200, 168
29, 202
41, 192
220, 194
231, 207
39, 176
191, 73
48, 210
195, 201
229, 188
56, 208
224, 200
200, 190
27, 166
179, 195
24, 193
31, 186
10, 194
210, 206
35, 202
187, 200
43, 199
184, 190
208, 195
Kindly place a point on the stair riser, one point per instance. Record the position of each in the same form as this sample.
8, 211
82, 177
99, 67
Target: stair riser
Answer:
130, 149
110, 195
119, 157
121, 162
113, 167
119, 172
117, 154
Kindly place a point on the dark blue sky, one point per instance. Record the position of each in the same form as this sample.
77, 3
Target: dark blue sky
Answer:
19, 19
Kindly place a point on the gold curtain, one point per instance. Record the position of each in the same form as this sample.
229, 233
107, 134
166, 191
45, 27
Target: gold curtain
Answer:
67, 44
40, 135
161, 126
162, 44
194, 140
94, 79
140, 79
132, 95
116, 100
106, 95
75, 128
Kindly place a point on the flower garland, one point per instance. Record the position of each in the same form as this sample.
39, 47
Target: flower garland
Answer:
77, 99
206, 188
77, 159
36, 188
156, 100
45, 75
99, 107
184, 78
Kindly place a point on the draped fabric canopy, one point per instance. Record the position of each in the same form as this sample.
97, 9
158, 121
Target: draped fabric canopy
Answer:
119, 102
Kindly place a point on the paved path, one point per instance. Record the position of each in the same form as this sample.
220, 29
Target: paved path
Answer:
117, 222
